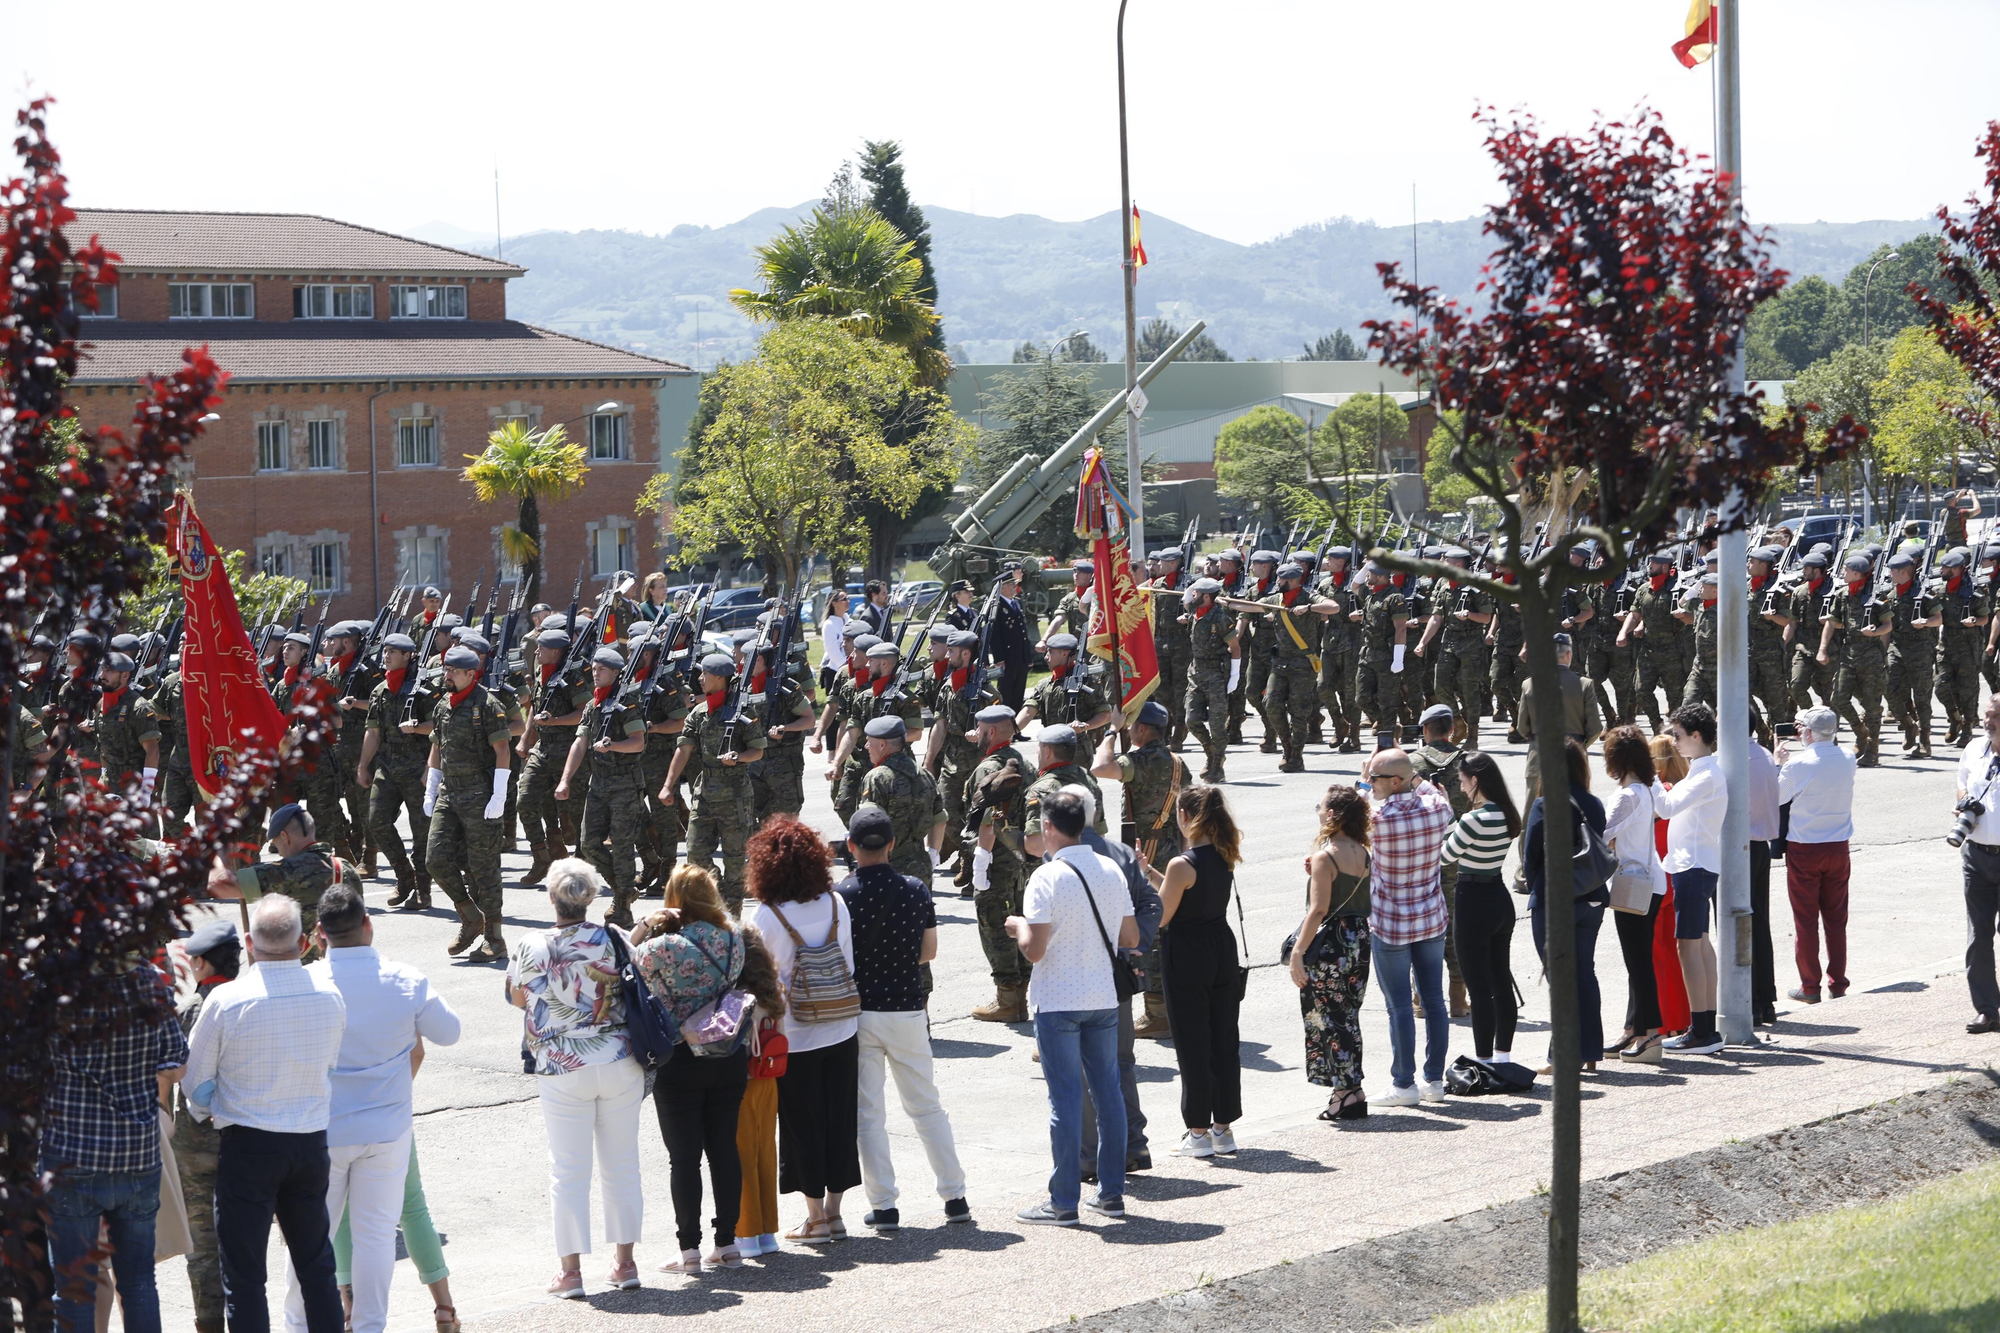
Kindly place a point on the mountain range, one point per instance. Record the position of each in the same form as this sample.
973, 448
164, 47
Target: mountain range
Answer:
1002, 280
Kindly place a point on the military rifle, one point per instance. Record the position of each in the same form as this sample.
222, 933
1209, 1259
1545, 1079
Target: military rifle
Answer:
697, 620
575, 593
576, 637
510, 630
416, 671
742, 699
975, 679
908, 669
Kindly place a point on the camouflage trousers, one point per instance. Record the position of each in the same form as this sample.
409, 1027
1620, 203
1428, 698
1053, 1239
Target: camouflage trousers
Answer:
544, 819
196, 1148
1379, 691
1208, 707
324, 792
1000, 899
1291, 698
1958, 678
464, 853
1857, 692
1624, 663
778, 783
614, 812
1662, 671
176, 800
1809, 678
1419, 672
1911, 671
1771, 685
1596, 659
1700, 687
951, 781
721, 818
847, 785
1462, 680
354, 798
1256, 679
1504, 678
660, 835
396, 791
1172, 692
1336, 691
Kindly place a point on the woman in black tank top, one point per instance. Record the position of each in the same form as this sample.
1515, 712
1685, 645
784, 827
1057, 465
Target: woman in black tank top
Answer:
1202, 972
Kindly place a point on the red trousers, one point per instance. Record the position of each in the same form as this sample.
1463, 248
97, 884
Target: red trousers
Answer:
1816, 878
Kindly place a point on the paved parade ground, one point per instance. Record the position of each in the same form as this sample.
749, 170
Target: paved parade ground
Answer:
1298, 1186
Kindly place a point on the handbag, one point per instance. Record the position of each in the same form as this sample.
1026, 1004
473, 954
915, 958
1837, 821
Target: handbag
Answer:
768, 1050
652, 1030
1124, 980
822, 988
1242, 968
1632, 888
716, 1029
1594, 863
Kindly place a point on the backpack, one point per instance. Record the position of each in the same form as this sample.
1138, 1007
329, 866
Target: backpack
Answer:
651, 1028
822, 989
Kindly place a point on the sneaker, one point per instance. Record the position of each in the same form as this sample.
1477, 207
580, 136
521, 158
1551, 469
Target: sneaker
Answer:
568, 1284
884, 1219
1695, 1043
1802, 995
749, 1246
1222, 1141
1195, 1145
957, 1210
625, 1277
1399, 1096
1046, 1214
1107, 1205
768, 1243
1430, 1092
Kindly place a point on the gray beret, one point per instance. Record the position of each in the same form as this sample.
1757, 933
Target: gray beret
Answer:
608, 657
433, 593
1205, 585
1064, 641
964, 638
552, 638
1288, 570
888, 650
1710, 579
345, 629
1304, 558
462, 658
1817, 560
556, 621
888, 727
476, 642
717, 664
1230, 554
300, 637
118, 662
1059, 733
1081, 566
1168, 553
404, 643
854, 629
1154, 713
1952, 560
1457, 553
210, 934
449, 622
124, 643
1339, 553
743, 636
1665, 557
1770, 555
871, 828
1901, 560
1860, 564
994, 713
941, 633
1990, 553
1437, 713
862, 644
540, 606
1265, 557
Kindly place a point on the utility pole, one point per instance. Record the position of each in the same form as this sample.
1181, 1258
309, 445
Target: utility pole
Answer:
1733, 935
1135, 486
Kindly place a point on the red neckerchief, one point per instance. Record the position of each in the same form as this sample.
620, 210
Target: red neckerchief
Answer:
1053, 763
1506, 576
1263, 585
1204, 611
216, 980
395, 679
1707, 597
860, 671
1951, 583
429, 617
1339, 577
340, 664
879, 684
716, 700
1398, 580
464, 694
940, 669
292, 675
757, 683
599, 693
958, 677
1813, 583
1658, 581
1854, 586
1759, 586
1171, 581
1291, 597
549, 669
1902, 588
996, 749
112, 697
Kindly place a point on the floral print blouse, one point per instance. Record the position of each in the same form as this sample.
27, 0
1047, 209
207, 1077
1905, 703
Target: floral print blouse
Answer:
576, 1013
690, 967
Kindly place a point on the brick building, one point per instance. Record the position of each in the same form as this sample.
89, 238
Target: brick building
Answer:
364, 368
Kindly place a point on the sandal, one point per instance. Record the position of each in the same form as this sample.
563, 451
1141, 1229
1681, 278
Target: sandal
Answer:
836, 1229
447, 1318
810, 1232
729, 1256
689, 1262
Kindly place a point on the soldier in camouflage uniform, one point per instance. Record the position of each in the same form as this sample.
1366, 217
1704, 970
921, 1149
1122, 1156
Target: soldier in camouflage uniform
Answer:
1214, 668
1413, 683
121, 733
1384, 624
1151, 778
1698, 610
1083, 707
1338, 663
31, 746
1170, 641
465, 793
1864, 622
1072, 613
1770, 678
996, 814
610, 739
305, 869
1912, 655
1961, 633
1804, 609
215, 955
1505, 637
785, 694
1459, 617
1294, 626
353, 681
953, 752
664, 714
907, 794
555, 707
1059, 746
177, 789
1235, 583
881, 691
303, 693
1658, 638
723, 803
392, 762
1258, 637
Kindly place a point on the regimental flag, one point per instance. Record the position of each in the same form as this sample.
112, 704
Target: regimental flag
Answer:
1121, 624
1699, 43
230, 715
1138, 255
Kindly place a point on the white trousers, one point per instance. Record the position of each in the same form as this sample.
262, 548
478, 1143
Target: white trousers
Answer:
364, 1181
900, 1043
597, 1107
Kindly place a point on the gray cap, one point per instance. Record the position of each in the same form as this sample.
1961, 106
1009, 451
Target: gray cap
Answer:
401, 642
433, 593
1438, 713
118, 662
1058, 733
345, 629
1711, 579
854, 629
1952, 560
281, 817
300, 637
1860, 564
1340, 553
462, 658
743, 636
1288, 570
1167, 553
540, 606
556, 621
1205, 585
1770, 555
1666, 556
1263, 557
608, 657
210, 934
124, 643
1990, 552
862, 644
888, 727
450, 620
1081, 566
1305, 559
1562, 640
553, 638
941, 633
994, 713
1153, 713
1817, 560
871, 828
887, 650
476, 642
718, 664
963, 638
1457, 553
1902, 560
1065, 641
1231, 553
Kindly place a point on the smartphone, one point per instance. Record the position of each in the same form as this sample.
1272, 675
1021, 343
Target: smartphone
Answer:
1785, 731
1385, 740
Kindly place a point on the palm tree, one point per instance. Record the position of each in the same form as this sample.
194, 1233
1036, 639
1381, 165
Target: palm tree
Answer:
852, 266
531, 465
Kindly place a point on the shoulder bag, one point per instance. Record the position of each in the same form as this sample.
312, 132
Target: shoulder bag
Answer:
1124, 981
1594, 863
716, 1029
1632, 882
822, 988
647, 1022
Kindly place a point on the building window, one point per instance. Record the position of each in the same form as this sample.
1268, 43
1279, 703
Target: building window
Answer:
275, 561
273, 452
333, 301
324, 575
1402, 464
416, 442
610, 550
427, 303
503, 421
423, 561
321, 441
510, 570
210, 300
107, 302
607, 438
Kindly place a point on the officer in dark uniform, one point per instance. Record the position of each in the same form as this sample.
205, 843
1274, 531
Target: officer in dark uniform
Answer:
1008, 645
964, 609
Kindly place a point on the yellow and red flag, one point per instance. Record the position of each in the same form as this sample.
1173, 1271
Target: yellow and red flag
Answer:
1699, 43
1138, 255
1121, 624
230, 715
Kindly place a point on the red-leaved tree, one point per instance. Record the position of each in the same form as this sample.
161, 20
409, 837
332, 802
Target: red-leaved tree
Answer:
1965, 319
1616, 298
79, 892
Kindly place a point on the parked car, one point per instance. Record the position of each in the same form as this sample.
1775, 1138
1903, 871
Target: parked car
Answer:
920, 593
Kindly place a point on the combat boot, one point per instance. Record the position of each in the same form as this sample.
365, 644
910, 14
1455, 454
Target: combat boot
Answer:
1153, 1023
1909, 739
1459, 731
1316, 736
1471, 741
471, 925
421, 900
1213, 773
491, 949
1178, 739
1010, 1005
538, 865
620, 914
369, 861
1269, 745
1924, 740
406, 885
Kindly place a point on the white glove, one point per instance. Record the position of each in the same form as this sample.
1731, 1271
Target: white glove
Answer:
147, 776
433, 780
982, 869
1396, 663
934, 858
497, 805
1235, 672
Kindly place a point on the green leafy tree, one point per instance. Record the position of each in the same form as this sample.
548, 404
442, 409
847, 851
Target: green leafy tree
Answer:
1260, 460
258, 595
1077, 349
1845, 385
528, 466
1157, 335
1923, 400
881, 169
1800, 327
799, 442
1335, 346
1042, 409
1449, 487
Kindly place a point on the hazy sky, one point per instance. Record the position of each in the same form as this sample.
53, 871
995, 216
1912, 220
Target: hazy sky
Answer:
1249, 117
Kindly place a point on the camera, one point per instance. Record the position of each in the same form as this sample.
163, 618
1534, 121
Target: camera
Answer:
1969, 810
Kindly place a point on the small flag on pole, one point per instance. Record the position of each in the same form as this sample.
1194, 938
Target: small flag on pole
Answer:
1699, 43
1138, 251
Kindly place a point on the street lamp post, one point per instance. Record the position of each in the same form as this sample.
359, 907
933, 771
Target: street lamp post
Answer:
1867, 333
1134, 484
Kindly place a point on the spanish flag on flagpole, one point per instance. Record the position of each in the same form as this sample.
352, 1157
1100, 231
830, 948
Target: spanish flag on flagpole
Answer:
1138, 250
1699, 43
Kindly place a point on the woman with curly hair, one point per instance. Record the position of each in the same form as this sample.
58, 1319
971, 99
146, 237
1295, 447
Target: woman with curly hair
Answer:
806, 926
1329, 962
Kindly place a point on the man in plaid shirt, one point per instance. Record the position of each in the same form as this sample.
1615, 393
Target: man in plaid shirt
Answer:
1407, 914
101, 1142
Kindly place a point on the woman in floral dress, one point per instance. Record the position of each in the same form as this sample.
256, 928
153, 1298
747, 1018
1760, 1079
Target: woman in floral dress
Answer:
1329, 963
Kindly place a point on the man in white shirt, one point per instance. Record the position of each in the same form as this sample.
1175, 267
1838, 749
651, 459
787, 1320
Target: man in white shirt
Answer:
1693, 811
391, 1009
1979, 780
259, 1061
1075, 909
1818, 783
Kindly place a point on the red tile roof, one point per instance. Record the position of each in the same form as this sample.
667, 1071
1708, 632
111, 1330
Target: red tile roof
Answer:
171, 242
119, 352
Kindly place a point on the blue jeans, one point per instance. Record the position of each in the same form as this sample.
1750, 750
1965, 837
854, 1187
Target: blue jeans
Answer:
1589, 994
1080, 1044
1393, 965
125, 1202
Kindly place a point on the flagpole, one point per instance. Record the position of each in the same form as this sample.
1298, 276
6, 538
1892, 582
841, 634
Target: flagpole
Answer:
1134, 484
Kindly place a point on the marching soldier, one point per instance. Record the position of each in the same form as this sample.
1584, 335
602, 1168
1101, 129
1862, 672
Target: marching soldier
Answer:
1415, 680
1912, 655
1236, 582
1660, 639
555, 708
1698, 610
1337, 657
306, 867
1151, 778
1066, 696
1170, 641
907, 794
176, 764
785, 696
1864, 622
1385, 627
392, 762
611, 739
1770, 682
665, 715
1804, 612
1962, 632
1058, 766
881, 694
996, 816
1072, 613
1260, 645
302, 692
1459, 617
1505, 638
1291, 690
465, 792
119, 741
1215, 667
953, 751
353, 682
723, 804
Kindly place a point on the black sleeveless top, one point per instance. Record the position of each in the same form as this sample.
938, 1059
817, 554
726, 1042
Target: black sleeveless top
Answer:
1207, 899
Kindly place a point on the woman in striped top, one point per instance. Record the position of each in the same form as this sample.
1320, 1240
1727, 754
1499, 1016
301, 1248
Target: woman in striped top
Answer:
1484, 918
